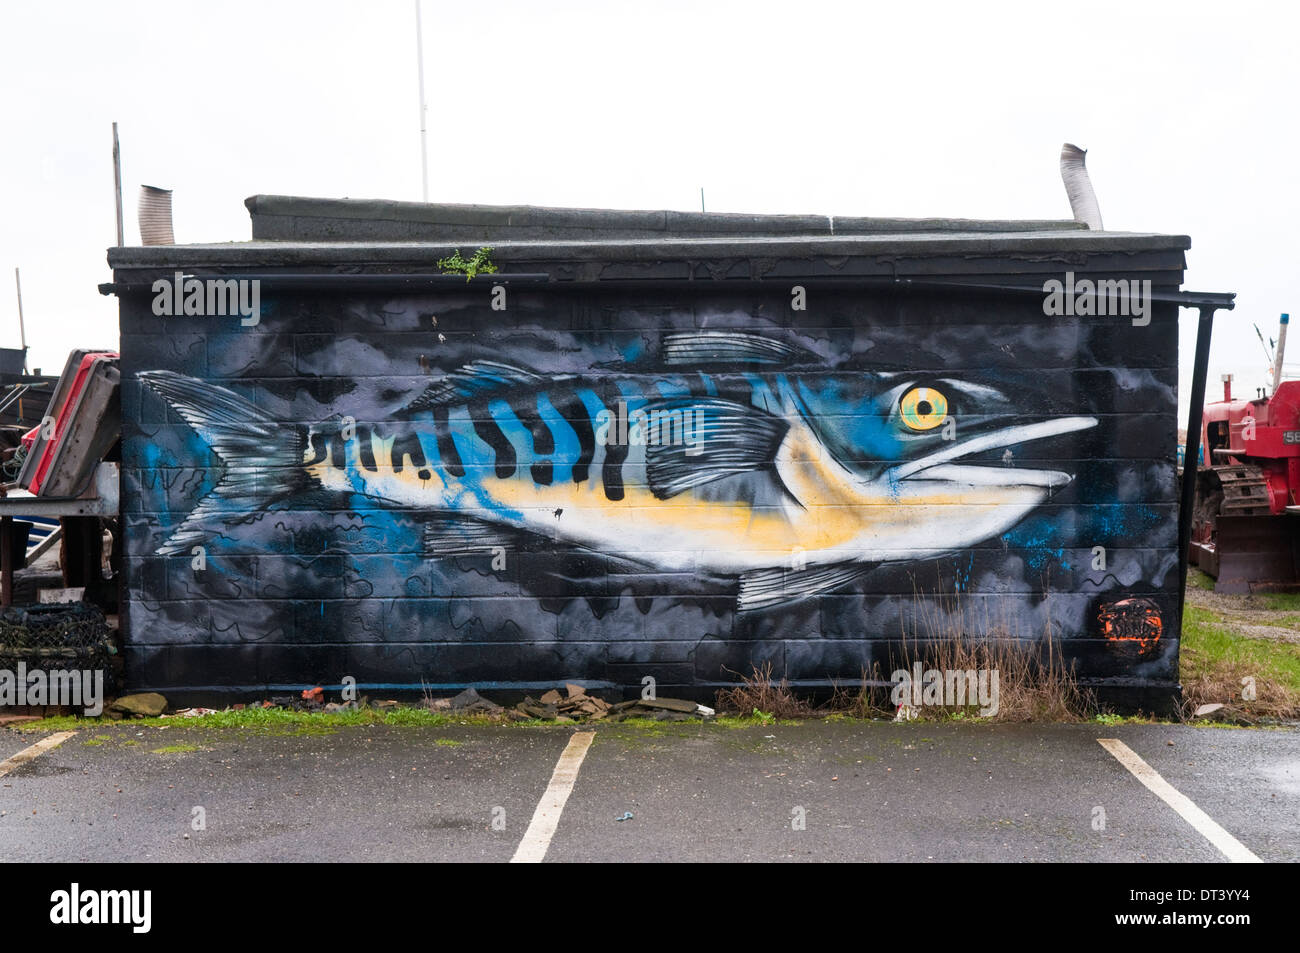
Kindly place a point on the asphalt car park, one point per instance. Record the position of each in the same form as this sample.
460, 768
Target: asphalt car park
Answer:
833, 790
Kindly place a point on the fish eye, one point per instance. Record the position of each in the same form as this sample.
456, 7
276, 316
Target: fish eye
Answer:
923, 408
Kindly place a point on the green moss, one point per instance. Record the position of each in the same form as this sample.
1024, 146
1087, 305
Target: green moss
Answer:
732, 721
176, 749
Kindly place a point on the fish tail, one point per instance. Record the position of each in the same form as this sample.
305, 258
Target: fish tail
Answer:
262, 457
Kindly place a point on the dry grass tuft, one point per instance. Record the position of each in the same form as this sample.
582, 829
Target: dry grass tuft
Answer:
1034, 681
1222, 682
758, 693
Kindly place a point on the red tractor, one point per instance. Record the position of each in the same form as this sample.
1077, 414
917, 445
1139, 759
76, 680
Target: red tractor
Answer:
1246, 528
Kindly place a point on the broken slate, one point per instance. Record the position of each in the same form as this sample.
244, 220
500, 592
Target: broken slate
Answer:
144, 705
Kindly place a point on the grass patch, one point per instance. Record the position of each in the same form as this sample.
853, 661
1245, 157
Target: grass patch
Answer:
732, 722
176, 749
97, 740
270, 720
448, 743
1216, 665
1199, 580
1280, 601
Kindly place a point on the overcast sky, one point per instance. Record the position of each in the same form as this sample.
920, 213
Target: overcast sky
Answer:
946, 109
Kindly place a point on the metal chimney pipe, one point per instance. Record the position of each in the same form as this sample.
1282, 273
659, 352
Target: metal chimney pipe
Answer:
155, 216
1227, 388
1083, 200
1281, 351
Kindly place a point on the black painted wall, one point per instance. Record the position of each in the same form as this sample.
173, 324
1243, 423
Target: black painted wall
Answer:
321, 562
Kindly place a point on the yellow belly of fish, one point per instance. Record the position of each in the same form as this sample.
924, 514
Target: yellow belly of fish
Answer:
838, 521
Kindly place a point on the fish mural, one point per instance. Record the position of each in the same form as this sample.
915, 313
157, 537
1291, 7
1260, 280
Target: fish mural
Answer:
728, 454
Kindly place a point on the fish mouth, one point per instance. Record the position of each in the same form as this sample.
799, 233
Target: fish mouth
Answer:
939, 466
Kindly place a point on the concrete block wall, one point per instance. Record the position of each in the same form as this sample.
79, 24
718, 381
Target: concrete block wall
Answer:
453, 515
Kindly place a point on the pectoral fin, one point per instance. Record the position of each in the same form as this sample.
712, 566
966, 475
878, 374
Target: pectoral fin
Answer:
765, 588
449, 535
702, 439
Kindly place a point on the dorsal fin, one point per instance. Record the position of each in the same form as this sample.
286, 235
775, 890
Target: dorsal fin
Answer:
473, 380
727, 347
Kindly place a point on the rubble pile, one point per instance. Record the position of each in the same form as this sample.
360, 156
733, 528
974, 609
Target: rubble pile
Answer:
575, 705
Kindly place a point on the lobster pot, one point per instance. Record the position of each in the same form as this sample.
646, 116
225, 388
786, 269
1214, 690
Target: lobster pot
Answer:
57, 640
641, 444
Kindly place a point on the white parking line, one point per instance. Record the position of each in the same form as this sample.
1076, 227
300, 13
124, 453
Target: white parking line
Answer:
1228, 845
30, 752
546, 818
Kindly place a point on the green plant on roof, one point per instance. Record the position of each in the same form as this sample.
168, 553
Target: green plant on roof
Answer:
479, 264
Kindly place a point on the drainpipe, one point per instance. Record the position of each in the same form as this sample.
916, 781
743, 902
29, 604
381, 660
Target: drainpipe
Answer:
1195, 414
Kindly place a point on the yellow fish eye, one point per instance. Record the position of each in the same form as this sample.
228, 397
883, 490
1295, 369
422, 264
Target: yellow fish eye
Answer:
923, 408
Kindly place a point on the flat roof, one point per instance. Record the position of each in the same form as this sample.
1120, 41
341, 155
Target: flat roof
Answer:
619, 244
290, 218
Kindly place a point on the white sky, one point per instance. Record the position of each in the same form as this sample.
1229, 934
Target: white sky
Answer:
895, 109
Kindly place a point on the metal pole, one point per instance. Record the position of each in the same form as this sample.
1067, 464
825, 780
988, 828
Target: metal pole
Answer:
117, 186
1281, 351
424, 139
1191, 452
22, 327
6, 560
701, 198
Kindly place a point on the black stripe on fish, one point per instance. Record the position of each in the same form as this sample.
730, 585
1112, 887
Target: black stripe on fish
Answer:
489, 431
543, 471
408, 444
611, 471
338, 451
366, 448
574, 411
447, 451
